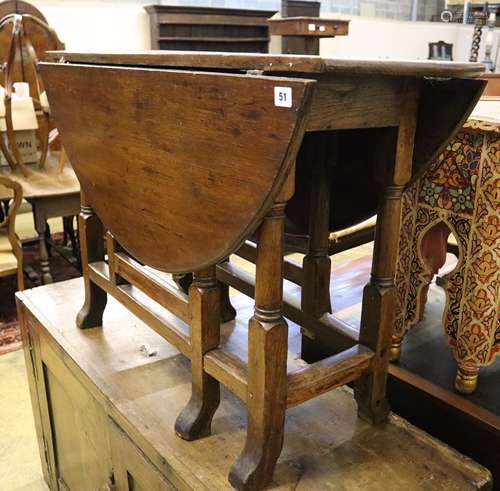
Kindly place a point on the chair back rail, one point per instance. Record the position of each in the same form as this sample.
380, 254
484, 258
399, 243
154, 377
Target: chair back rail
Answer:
179, 185
25, 37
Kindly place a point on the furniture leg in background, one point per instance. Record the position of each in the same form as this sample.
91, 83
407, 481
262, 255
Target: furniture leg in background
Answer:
46, 207
315, 299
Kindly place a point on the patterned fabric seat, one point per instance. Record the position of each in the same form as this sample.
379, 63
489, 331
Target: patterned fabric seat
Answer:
458, 195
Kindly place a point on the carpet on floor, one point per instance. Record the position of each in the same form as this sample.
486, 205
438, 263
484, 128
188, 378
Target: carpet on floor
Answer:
10, 334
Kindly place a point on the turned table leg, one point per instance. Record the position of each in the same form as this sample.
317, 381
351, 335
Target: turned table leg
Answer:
377, 317
379, 295
44, 257
227, 311
92, 249
40, 220
267, 355
315, 300
204, 298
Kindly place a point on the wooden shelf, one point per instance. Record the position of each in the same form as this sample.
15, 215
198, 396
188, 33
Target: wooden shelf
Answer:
208, 28
214, 39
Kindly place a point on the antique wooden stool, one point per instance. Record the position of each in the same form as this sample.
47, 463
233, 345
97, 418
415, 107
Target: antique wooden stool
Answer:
459, 195
181, 165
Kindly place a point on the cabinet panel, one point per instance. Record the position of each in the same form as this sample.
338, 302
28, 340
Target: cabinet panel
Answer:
78, 425
133, 471
31, 345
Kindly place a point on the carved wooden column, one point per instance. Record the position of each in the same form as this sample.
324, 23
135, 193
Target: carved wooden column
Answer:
377, 317
92, 249
267, 355
204, 302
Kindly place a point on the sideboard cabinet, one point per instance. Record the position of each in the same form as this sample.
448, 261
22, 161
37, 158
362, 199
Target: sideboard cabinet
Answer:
81, 447
105, 407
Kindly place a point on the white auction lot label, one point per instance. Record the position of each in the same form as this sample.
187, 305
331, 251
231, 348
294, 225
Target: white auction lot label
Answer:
283, 96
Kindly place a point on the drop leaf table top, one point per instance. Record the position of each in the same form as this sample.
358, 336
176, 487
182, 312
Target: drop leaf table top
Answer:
129, 105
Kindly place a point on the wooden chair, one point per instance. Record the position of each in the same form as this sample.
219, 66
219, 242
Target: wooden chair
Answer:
25, 36
11, 252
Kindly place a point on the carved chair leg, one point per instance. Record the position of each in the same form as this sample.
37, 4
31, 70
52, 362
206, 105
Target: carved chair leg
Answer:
92, 249
466, 379
204, 300
267, 353
315, 299
379, 295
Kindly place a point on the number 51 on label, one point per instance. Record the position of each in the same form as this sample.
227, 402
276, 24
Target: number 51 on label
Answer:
283, 96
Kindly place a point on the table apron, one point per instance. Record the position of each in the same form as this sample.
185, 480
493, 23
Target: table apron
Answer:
355, 102
53, 206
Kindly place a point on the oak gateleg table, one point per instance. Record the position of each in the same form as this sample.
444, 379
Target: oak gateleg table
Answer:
182, 156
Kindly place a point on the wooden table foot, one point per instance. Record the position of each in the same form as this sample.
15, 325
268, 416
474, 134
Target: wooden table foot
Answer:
204, 298
266, 413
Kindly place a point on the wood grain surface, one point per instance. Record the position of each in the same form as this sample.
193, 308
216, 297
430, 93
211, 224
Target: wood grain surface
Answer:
179, 188
326, 447
276, 63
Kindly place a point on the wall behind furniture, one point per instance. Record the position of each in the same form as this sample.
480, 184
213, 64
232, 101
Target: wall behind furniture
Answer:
93, 25
380, 38
124, 26
389, 9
